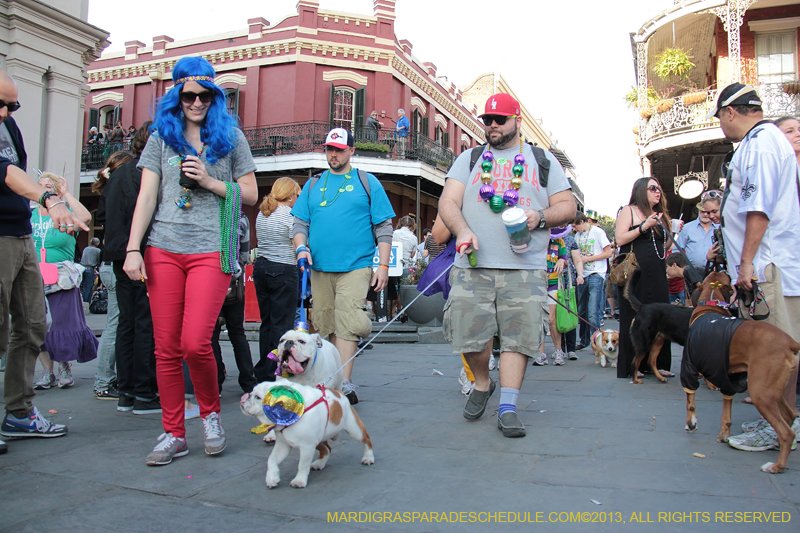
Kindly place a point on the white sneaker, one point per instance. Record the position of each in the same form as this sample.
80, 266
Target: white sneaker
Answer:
65, 378
572, 356
558, 358
492, 362
541, 360
466, 385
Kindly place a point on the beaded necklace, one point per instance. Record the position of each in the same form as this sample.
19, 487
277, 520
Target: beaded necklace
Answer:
183, 201
664, 247
324, 188
230, 212
487, 193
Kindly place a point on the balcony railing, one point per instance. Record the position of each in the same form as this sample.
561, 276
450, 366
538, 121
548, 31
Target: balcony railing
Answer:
682, 118
304, 137
94, 156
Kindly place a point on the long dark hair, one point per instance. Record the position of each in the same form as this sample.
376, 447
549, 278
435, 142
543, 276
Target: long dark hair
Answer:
639, 199
140, 138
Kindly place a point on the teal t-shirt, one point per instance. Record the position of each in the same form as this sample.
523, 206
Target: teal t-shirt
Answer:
60, 245
340, 232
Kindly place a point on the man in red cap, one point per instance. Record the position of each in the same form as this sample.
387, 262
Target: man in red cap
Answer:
337, 220
504, 292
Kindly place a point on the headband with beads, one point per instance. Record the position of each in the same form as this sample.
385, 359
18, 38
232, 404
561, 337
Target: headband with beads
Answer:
194, 78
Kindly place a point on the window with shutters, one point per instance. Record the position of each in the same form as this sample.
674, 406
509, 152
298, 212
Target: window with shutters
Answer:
343, 107
775, 56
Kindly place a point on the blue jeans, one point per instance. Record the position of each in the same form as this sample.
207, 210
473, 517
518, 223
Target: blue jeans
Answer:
677, 297
87, 284
590, 301
106, 374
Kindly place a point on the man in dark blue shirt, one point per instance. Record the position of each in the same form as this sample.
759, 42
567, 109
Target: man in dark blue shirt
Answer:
21, 288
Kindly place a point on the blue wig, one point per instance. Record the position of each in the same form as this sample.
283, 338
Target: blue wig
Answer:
217, 131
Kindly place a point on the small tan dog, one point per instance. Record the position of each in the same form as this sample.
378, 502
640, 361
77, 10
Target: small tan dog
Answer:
605, 345
326, 413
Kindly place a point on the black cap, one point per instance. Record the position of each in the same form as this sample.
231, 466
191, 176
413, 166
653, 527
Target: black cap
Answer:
735, 94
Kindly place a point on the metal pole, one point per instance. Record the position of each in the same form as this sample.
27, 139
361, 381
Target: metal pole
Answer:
419, 219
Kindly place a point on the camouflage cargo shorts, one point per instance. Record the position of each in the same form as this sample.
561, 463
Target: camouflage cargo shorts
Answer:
484, 302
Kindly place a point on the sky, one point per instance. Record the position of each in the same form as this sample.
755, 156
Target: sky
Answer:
568, 61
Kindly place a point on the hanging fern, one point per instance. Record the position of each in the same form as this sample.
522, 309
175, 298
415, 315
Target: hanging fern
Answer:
632, 98
673, 62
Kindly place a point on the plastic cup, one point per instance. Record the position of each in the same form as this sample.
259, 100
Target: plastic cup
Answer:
517, 227
676, 225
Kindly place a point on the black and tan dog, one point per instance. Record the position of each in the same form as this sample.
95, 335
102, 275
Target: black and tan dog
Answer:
654, 325
737, 355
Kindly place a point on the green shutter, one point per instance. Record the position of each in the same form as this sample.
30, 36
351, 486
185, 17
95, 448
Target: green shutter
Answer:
424, 127
117, 114
446, 139
358, 121
94, 118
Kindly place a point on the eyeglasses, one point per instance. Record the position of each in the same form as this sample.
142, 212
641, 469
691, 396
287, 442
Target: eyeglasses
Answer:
654, 188
499, 119
190, 98
11, 106
711, 194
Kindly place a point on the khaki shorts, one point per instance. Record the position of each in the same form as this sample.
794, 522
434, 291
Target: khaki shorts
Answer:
339, 303
784, 311
484, 302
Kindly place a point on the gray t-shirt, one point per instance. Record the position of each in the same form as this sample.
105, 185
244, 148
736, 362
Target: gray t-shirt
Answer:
194, 230
495, 249
7, 149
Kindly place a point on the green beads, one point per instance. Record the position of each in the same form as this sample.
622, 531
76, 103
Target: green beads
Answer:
497, 204
486, 166
518, 170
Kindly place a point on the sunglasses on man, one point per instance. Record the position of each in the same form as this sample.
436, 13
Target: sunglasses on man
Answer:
11, 106
190, 97
498, 119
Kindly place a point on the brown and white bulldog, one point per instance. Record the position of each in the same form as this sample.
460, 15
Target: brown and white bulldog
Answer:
327, 413
605, 345
309, 359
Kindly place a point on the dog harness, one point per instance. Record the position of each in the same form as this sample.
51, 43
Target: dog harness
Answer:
707, 351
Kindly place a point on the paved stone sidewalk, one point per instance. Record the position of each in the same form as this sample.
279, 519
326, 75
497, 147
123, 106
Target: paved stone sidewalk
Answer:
596, 444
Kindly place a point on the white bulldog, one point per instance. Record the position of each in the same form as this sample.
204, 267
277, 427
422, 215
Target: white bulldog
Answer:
322, 419
309, 359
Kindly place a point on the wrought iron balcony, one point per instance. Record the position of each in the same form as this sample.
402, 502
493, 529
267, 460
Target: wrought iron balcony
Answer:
303, 137
681, 118
94, 156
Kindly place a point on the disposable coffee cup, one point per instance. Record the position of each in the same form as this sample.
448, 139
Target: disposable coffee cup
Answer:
676, 225
517, 227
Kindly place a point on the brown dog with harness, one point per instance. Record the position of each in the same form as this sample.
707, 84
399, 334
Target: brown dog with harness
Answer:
736, 354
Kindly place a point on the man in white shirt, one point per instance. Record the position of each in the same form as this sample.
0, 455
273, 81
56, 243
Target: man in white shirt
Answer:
761, 226
595, 248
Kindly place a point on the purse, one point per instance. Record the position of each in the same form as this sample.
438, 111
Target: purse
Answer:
566, 319
624, 265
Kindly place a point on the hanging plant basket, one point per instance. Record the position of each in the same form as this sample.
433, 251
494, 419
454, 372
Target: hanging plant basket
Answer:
646, 112
636, 130
664, 105
791, 87
694, 98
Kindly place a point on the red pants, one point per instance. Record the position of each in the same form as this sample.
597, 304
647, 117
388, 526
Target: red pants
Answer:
186, 295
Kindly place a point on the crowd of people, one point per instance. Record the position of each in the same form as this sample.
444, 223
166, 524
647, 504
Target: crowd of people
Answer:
176, 244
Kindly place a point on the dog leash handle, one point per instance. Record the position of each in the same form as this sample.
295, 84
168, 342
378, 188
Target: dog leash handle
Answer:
303, 264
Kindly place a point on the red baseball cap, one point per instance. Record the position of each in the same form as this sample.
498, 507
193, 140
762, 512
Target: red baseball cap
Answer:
501, 104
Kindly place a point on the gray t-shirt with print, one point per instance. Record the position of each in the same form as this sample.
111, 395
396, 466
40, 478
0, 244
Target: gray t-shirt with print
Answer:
495, 248
194, 230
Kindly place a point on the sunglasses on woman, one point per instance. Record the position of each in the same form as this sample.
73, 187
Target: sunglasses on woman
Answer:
654, 188
11, 106
190, 98
499, 119
711, 194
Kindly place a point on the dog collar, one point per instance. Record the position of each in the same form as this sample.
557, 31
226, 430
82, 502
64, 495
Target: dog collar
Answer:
717, 303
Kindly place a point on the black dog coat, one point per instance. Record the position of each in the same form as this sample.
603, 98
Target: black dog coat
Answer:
707, 351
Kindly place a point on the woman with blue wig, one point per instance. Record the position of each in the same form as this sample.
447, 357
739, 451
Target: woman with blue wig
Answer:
197, 171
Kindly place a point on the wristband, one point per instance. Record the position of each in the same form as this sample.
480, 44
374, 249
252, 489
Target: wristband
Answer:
55, 204
641, 229
384, 266
300, 248
132, 251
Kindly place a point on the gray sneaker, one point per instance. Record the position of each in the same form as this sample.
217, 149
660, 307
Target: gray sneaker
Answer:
215, 440
166, 450
572, 356
65, 378
47, 380
510, 425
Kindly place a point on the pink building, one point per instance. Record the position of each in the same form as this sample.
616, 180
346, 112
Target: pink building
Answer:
290, 81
